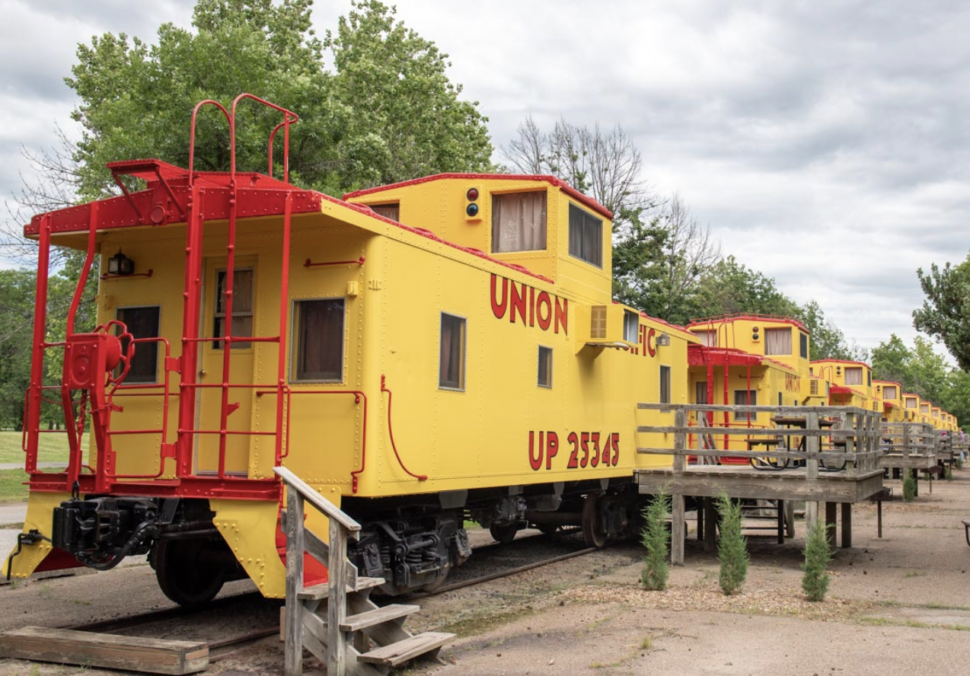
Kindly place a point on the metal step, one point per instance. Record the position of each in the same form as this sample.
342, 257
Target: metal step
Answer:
396, 654
318, 592
377, 616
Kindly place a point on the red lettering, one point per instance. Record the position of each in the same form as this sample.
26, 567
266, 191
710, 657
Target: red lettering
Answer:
615, 442
543, 301
650, 348
532, 306
517, 303
562, 314
584, 444
595, 460
498, 309
535, 461
573, 439
552, 447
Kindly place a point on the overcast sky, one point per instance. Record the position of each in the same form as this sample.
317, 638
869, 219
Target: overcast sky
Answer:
826, 142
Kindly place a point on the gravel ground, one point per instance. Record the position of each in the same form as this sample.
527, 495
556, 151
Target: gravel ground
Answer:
899, 605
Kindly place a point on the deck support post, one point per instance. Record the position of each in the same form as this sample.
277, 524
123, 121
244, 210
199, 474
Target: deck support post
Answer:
830, 522
710, 534
781, 522
293, 611
846, 525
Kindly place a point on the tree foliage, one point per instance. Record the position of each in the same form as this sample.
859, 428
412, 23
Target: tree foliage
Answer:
828, 340
655, 540
945, 313
732, 549
385, 112
818, 553
730, 287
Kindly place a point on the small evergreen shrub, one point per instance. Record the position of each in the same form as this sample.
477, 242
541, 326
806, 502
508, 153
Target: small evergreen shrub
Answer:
949, 473
815, 581
960, 462
654, 539
732, 550
909, 487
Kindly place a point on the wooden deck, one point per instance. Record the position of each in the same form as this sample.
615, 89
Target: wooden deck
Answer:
807, 441
739, 481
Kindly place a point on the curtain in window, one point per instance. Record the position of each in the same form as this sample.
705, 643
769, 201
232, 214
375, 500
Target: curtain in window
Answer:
519, 222
745, 398
321, 340
391, 211
700, 392
889, 392
853, 376
451, 360
778, 341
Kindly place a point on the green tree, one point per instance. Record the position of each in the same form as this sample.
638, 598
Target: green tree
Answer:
386, 112
16, 336
730, 287
892, 360
929, 372
655, 540
818, 553
732, 550
946, 308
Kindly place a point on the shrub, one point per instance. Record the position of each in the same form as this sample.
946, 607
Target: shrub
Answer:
815, 581
654, 539
909, 487
948, 475
960, 462
732, 550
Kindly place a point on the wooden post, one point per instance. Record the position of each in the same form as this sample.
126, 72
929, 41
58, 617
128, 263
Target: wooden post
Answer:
846, 525
677, 501
700, 520
830, 522
710, 534
293, 650
811, 466
337, 601
781, 521
853, 422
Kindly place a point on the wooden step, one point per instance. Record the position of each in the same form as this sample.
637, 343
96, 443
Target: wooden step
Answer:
321, 591
369, 618
396, 654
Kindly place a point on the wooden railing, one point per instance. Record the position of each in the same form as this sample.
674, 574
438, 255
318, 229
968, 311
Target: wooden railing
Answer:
912, 439
839, 438
341, 573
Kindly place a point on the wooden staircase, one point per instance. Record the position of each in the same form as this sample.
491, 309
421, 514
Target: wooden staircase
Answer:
337, 621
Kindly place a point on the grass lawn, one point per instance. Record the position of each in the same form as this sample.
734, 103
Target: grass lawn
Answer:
11, 485
52, 447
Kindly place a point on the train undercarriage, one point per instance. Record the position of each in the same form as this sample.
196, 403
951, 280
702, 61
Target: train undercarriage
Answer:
412, 542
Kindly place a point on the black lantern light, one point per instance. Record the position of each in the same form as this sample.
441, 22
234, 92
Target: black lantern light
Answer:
120, 264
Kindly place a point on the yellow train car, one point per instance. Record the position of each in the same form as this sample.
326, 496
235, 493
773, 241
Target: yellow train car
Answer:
750, 360
889, 395
421, 354
935, 417
850, 382
911, 406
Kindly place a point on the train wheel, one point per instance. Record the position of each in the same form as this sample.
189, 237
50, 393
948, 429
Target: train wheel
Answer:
436, 584
184, 573
504, 533
593, 533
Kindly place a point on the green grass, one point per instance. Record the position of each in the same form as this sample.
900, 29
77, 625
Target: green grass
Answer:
52, 447
11, 485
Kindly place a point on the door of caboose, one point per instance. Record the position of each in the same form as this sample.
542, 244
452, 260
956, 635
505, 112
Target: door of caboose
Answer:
209, 398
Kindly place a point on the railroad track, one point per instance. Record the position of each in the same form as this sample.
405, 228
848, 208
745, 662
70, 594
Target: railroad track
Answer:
221, 649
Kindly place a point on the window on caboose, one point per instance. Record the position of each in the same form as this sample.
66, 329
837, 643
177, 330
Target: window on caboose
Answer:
545, 366
778, 342
318, 340
700, 392
519, 222
803, 345
664, 384
853, 375
745, 398
889, 392
451, 366
242, 308
391, 211
142, 322
585, 236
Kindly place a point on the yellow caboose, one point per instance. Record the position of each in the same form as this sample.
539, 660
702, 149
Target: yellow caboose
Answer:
888, 394
420, 354
850, 382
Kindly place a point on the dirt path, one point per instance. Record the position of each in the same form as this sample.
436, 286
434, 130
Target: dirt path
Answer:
899, 605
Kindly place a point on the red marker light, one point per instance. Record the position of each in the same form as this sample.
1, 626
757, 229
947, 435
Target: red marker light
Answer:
472, 194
